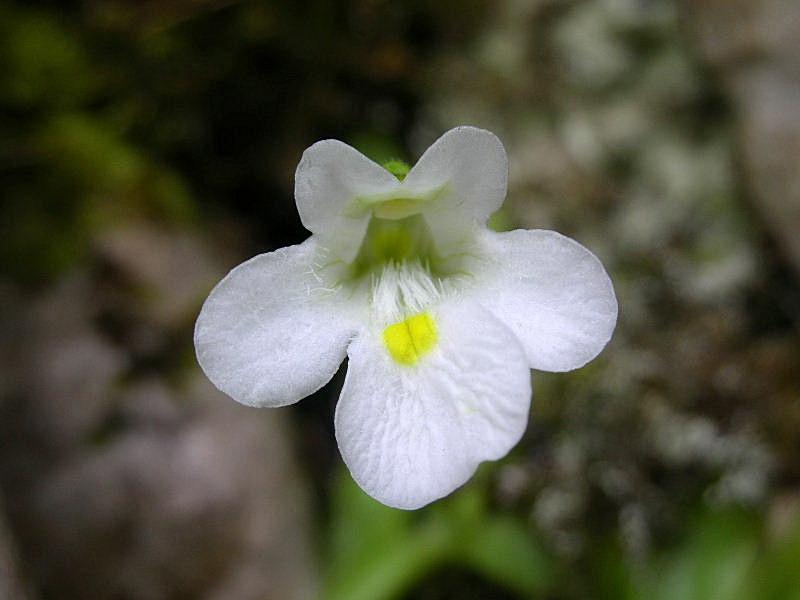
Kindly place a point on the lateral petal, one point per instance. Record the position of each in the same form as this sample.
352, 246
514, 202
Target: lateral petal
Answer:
553, 293
268, 335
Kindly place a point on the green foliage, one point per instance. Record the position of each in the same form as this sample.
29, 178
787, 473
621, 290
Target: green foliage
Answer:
67, 170
712, 564
725, 556
88, 178
42, 63
775, 574
503, 550
99, 161
378, 553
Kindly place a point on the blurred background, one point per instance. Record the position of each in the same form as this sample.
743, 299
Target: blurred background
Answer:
148, 147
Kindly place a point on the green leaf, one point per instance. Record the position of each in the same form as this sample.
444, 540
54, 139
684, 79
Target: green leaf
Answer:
611, 574
777, 574
375, 553
504, 551
714, 563
359, 524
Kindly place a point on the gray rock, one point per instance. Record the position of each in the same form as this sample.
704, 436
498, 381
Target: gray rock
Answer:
126, 474
754, 45
11, 584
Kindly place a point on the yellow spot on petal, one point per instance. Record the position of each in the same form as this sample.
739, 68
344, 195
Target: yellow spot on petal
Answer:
409, 340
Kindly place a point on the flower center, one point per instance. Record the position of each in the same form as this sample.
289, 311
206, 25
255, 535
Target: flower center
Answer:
403, 276
393, 242
399, 270
410, 339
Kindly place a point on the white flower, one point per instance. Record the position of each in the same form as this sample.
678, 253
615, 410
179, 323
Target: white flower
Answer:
441, 319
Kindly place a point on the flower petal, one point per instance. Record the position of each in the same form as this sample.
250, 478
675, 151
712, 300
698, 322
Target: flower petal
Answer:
265, 337
330, 176
471, 167
412, 434
553, 293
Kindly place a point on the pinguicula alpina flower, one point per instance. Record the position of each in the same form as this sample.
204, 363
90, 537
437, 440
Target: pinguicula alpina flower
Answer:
440, 318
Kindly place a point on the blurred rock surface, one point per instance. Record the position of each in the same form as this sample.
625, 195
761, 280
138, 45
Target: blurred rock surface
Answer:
11, 585
754, 47
127, 475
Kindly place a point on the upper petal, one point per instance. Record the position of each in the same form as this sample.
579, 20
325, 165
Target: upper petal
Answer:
330, 176
471, 168
412, 434
553, 293
266, 336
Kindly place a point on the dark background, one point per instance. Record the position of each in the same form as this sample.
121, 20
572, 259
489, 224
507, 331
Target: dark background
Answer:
148, 147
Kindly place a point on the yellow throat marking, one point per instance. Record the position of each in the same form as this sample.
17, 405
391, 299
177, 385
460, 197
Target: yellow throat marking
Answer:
409, 340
